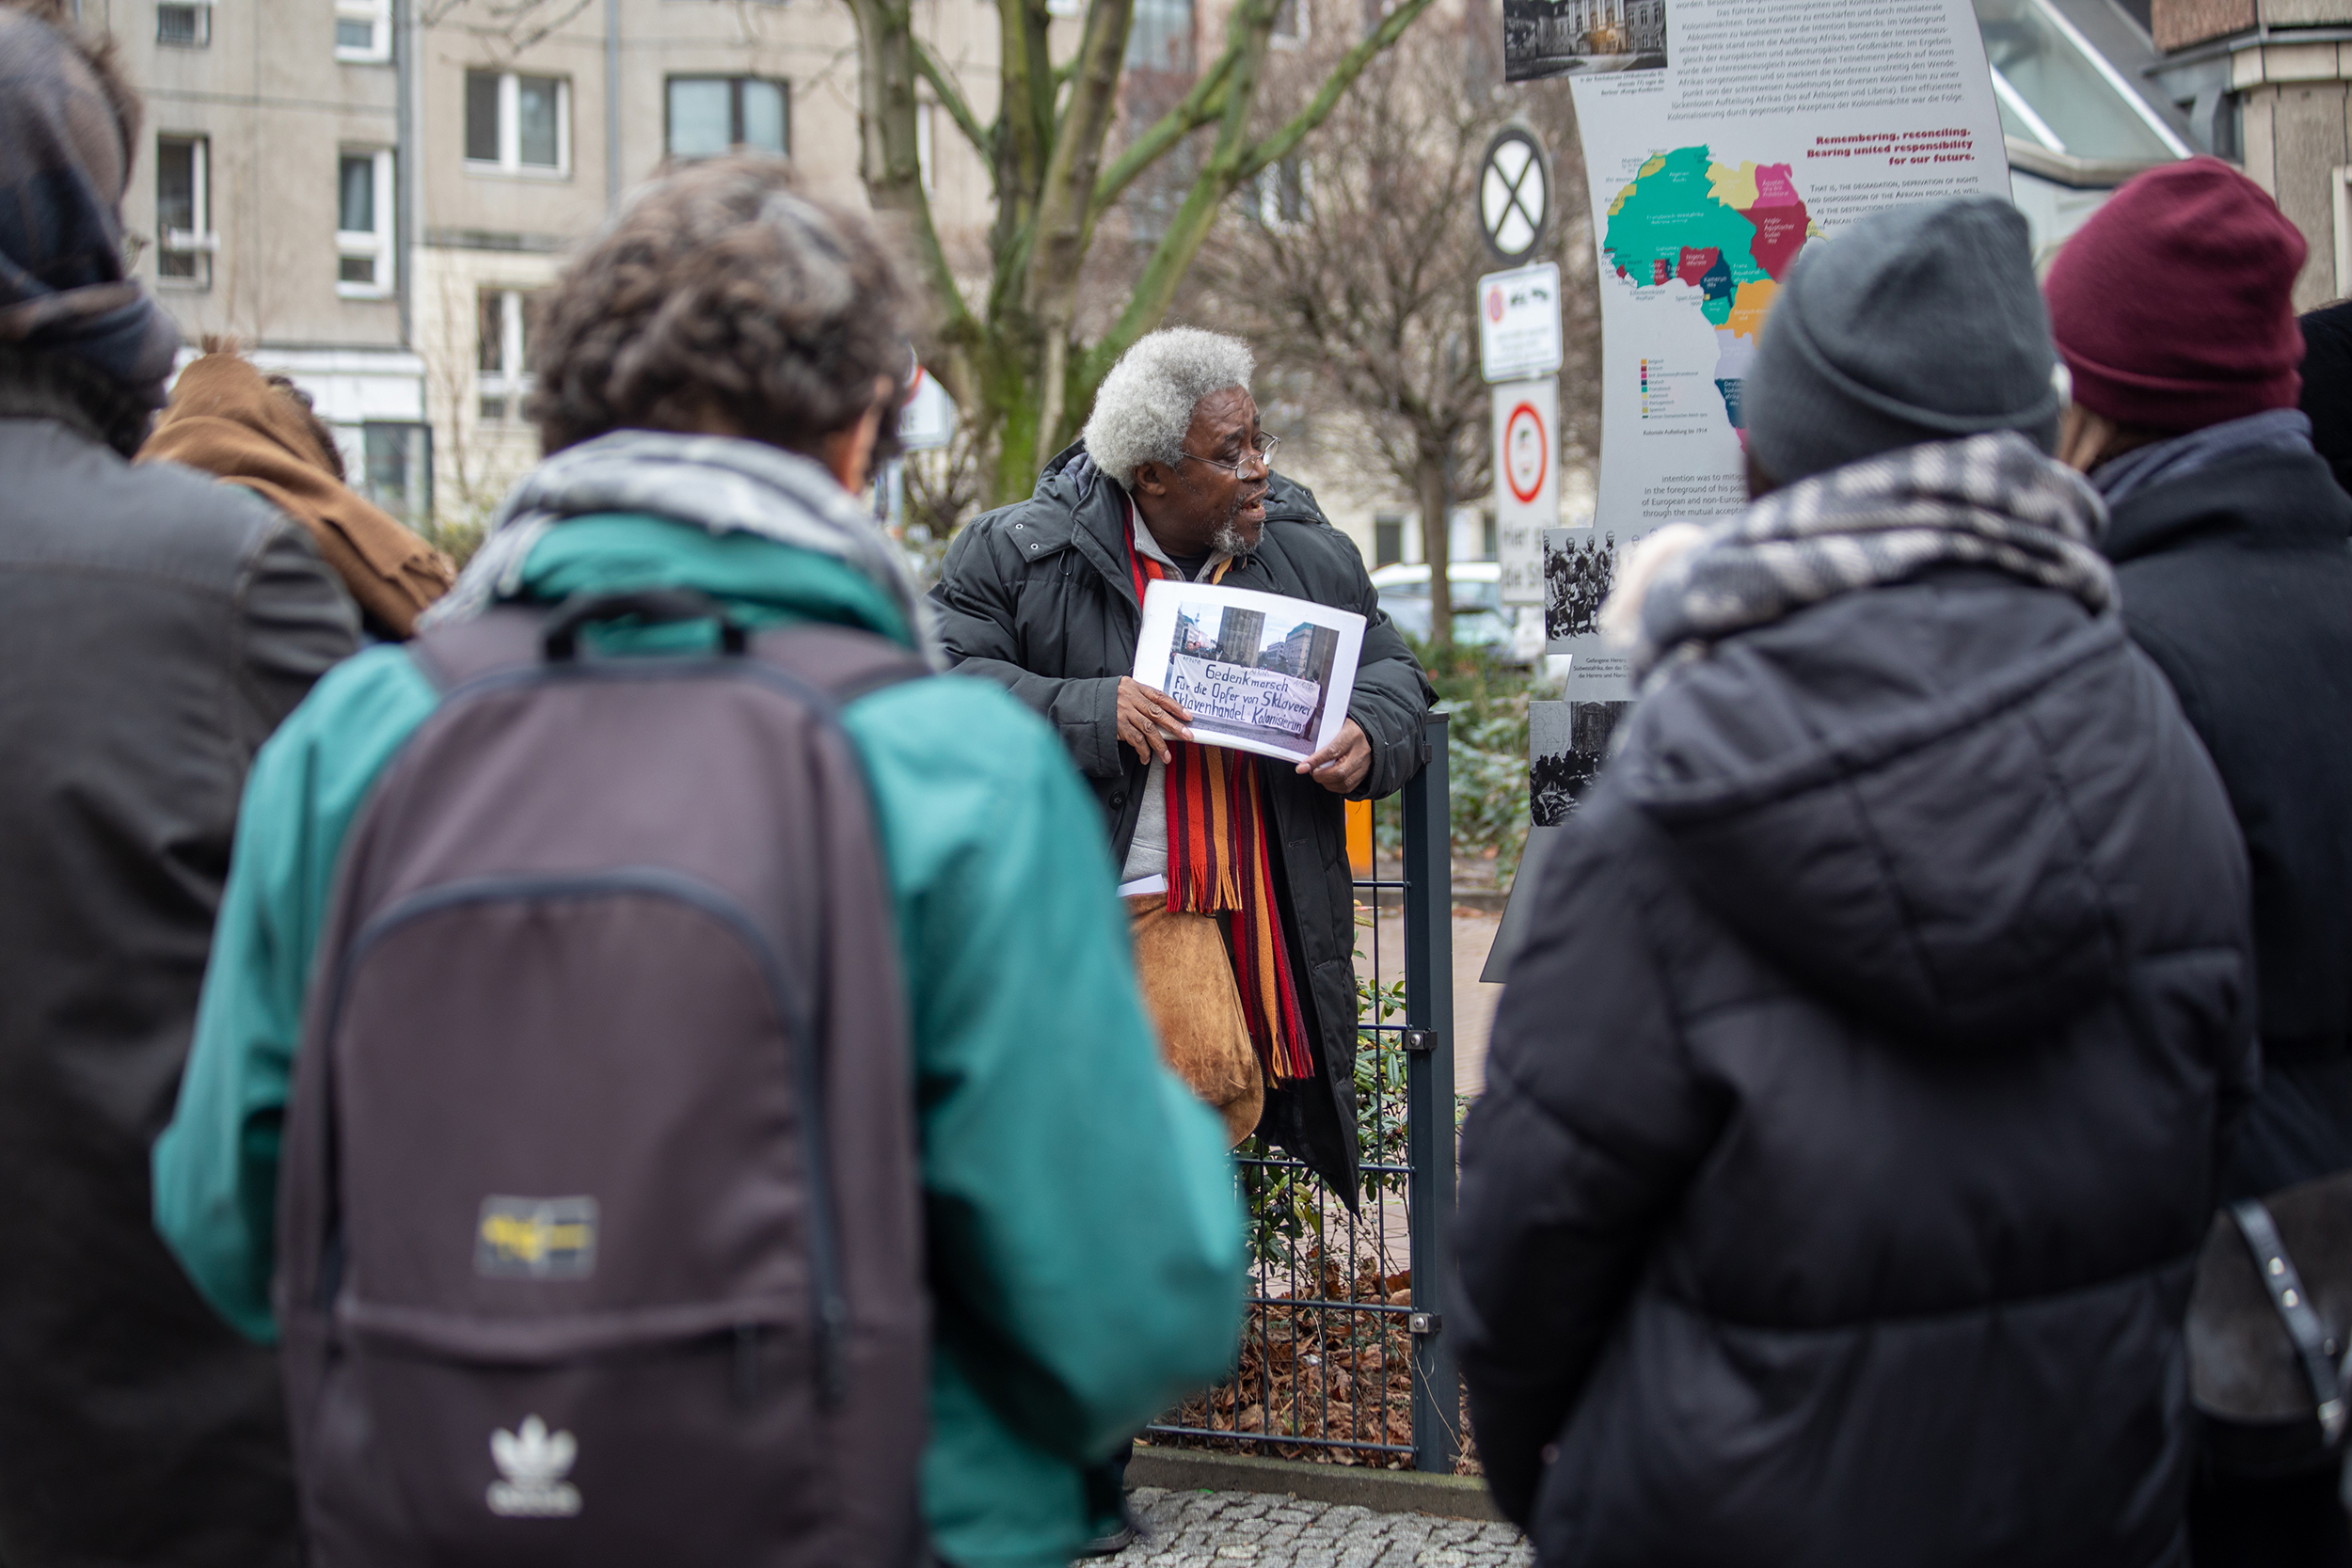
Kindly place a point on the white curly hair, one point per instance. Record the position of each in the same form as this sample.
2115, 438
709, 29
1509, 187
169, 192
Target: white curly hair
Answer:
1145, 404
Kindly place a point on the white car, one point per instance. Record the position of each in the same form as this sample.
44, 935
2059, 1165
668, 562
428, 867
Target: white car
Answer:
1480, 617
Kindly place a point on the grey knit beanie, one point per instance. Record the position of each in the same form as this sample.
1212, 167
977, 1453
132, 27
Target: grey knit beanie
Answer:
1918, 323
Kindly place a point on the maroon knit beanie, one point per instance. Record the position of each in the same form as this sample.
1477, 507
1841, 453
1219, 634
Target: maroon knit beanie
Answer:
2172, 307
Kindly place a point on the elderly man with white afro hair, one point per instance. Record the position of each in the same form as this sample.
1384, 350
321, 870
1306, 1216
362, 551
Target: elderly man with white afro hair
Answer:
1243, 915
1145, 404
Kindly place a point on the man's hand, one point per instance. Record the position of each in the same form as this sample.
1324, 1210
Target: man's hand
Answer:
1143, 713
1339, 767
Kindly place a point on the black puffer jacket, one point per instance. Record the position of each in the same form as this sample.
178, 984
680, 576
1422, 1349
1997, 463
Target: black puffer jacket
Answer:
1854, 1110
155, 628
2237, 581
1039, 596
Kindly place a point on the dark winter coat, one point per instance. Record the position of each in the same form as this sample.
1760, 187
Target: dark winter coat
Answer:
1039, 597
1854, 1110
2237, 580
154, 626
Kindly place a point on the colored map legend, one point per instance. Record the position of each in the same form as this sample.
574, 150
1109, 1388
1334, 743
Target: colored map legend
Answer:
1667, 392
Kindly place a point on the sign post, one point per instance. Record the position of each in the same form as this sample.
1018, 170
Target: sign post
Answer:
1519, 354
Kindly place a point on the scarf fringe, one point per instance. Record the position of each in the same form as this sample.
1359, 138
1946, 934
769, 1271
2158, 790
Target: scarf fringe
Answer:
1218, 865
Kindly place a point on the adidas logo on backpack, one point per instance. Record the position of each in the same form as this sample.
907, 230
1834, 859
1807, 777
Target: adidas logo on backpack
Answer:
534, 1464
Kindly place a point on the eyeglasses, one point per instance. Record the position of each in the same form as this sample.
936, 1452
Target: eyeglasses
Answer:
1262, 448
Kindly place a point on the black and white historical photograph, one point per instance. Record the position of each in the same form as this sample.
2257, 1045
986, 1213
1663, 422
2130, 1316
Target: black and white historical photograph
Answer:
1580, 568
1256, 671
1567, 744
1556, 37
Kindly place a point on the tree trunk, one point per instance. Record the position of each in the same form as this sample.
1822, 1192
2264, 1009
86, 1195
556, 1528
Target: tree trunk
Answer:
1436, 529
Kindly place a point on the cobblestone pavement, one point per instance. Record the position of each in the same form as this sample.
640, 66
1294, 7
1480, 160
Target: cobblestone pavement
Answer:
1211, 1530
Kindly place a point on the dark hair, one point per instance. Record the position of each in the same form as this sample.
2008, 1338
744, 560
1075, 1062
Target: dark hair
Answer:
2326, 398
720, 294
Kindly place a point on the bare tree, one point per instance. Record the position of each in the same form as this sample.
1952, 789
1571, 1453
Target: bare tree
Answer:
1355, 269
1022, 359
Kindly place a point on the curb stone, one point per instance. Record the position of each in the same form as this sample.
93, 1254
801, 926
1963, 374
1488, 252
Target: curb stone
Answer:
1381, 1491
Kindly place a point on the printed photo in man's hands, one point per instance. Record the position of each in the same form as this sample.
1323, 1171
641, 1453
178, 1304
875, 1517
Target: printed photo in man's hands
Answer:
1257, 672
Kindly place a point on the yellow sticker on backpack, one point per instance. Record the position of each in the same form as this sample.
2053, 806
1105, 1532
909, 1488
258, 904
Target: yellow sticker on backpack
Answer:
536, 1238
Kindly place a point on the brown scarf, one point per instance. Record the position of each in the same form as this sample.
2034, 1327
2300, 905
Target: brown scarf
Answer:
1217, 864
226, 419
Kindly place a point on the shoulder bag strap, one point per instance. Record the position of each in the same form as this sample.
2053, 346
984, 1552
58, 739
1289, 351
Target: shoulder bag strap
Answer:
2303, 1326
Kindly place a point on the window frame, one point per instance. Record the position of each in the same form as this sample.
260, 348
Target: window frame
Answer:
198, 243
373, 244
1290, 178
509, 162
202, 9
735, 80
378, 14
511, 380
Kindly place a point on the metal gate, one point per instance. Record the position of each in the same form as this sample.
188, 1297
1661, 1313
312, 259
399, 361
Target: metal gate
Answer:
1343, 1356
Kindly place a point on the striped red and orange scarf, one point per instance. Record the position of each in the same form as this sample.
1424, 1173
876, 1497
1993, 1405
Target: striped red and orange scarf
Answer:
1217, 864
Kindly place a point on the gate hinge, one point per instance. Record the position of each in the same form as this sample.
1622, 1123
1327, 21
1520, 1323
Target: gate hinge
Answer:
1425, 1323
1419, 1042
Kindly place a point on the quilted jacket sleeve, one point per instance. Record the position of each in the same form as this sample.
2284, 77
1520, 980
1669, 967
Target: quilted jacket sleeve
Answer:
1590, 1125
1392, 695
979, 603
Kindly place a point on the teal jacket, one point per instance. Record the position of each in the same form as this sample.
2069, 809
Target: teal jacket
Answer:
1080, 1205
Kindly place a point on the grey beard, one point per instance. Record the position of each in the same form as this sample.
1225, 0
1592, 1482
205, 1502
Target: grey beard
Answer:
1227, 540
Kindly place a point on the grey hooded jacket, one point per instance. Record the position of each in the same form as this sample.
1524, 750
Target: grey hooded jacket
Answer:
156, 626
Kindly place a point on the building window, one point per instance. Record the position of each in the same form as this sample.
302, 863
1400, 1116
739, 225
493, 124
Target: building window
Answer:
183, 210
1388, 540
1160, 35
397, 471
184, 26
518, 124
1283, 193
363, 31
1290, 23
709, 115
502, 350
363, 225
924, 168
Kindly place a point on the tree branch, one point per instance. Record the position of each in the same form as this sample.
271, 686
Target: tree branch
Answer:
1351, 65
1201, 106
951, 97
892, 171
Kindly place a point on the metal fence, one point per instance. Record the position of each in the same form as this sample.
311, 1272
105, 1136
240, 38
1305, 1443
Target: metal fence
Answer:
1344, 1354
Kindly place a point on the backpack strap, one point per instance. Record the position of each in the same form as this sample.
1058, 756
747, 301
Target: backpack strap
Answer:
462, 651
843, 662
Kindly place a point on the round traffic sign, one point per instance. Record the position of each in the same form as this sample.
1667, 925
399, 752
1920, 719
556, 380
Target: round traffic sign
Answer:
1514, 193
1526, 453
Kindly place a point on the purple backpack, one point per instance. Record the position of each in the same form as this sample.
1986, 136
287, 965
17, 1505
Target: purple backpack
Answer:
599, 1235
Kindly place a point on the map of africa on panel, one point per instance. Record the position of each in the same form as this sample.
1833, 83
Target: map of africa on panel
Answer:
1728, 231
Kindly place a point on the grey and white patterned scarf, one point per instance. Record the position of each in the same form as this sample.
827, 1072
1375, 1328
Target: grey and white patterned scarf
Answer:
1990, 500
717, 482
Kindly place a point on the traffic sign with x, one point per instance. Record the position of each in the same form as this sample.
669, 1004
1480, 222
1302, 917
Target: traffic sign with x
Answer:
1514, 194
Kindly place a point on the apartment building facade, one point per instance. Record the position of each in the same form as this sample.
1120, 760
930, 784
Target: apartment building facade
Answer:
370, 194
